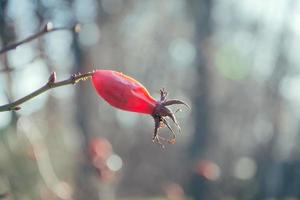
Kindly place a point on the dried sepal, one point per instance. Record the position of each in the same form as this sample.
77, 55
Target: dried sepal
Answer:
175, 102
160, 115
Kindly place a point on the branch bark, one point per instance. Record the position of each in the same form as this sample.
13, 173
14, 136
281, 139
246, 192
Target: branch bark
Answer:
47, 29
49, 85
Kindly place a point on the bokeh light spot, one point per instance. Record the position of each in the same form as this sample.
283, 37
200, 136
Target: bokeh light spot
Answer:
289, 88
22, 55
230, 64
114, 162
182, 51
245, 168
208, 170
85, 11
89, 34
29, 79
127, 119
63, 190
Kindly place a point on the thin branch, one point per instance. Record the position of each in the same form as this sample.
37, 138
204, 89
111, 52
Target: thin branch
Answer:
49, 85
47, 29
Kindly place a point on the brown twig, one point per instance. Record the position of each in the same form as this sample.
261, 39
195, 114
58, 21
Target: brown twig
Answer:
49, 85
47, 29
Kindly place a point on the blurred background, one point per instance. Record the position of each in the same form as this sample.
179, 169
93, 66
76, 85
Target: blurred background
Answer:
236, 62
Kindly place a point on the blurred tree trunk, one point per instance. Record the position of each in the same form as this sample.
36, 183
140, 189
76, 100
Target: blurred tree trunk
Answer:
85, 181
201, 11
6, 35
271, 171
202, 15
